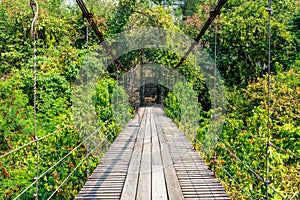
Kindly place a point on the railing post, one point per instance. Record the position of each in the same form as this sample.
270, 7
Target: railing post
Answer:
35, 10
215, 162
269, 97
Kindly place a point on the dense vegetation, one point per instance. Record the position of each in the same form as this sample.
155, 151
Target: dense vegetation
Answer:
241, 60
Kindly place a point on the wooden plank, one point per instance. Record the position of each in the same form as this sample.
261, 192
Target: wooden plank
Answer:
159, 190
144, 184
108, 179
172, 183
130, 186
189, 167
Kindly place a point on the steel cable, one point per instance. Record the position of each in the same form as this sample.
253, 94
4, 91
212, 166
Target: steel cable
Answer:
43, 174
87, 82
52, 133
235, 181
283, 150
50, 168
244, 164
206, 149
211, 18
100, 36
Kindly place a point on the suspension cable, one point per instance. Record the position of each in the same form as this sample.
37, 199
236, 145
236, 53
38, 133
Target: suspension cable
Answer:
274, 190
244, 164
270, 144
35, 10
59, 161
211, 18
269, 98
233, 154
230, 147
195, 80
235, 181
283, 150
69, 175
89, 16
50, 134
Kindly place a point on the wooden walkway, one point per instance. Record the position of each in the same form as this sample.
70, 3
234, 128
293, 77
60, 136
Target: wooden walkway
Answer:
152, 159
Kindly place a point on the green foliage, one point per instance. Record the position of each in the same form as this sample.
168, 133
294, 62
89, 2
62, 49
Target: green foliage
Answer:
172, 107
123, 13
104, 92
243, 42
295, 26
242, 37
245, 135
112, 107
58, 61
15, 115
14, 36
242, 58
181, 105
121, 107
18, 169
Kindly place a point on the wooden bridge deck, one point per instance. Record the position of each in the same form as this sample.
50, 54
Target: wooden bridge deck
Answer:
152, 159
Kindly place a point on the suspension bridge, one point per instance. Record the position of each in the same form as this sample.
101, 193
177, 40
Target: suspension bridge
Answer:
151, 158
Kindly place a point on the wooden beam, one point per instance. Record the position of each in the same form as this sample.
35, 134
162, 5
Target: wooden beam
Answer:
89, 16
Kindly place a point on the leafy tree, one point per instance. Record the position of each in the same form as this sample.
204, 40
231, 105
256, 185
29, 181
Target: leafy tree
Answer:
123, 13
245, 135
242, 57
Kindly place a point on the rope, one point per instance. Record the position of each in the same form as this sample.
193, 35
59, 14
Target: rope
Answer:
35, 10
269, 98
